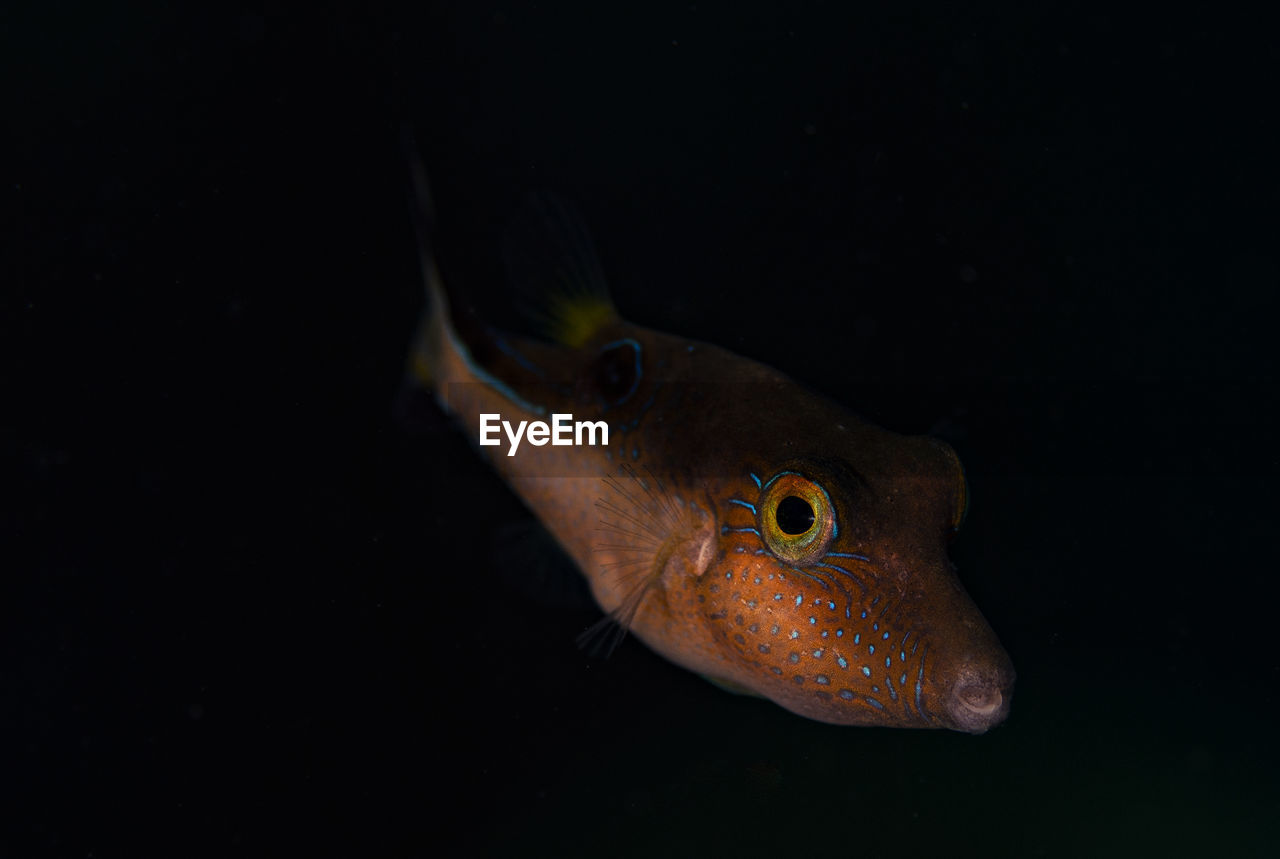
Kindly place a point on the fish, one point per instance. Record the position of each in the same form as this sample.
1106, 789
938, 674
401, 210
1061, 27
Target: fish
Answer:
737, 523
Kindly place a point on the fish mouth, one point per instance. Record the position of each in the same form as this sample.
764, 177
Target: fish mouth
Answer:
980, 698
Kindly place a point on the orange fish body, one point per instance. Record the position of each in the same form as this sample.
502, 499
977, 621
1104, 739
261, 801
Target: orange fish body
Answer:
738, 524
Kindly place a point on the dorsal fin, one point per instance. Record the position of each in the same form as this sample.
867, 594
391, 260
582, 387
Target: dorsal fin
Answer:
552, 263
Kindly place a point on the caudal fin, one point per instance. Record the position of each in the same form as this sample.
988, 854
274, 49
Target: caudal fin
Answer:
424, 353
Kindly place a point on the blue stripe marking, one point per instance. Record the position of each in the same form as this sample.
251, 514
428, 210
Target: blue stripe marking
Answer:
742, 503
509, 350
919, 682
626, 341
756, 479
847, 555
727, 530
488, 378
780, 474
813, 577
873, 702
859, 581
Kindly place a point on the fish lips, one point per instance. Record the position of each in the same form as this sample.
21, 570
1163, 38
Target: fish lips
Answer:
979, 697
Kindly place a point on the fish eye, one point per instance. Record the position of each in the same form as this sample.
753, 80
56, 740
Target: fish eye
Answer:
796, 517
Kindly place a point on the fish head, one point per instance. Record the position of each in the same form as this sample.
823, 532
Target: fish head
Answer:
832, 592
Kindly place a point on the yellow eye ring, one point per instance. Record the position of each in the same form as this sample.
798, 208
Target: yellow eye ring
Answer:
797, 519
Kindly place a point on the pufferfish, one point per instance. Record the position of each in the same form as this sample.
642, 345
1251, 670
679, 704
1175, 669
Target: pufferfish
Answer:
735, 522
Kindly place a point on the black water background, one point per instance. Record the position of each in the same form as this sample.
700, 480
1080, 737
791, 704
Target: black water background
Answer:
251, 610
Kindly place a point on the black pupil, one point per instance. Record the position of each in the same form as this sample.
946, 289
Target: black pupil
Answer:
795, 516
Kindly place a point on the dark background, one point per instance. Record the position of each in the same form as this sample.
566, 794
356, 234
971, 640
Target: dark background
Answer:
253, 604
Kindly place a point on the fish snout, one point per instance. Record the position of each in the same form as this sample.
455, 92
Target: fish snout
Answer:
980, 696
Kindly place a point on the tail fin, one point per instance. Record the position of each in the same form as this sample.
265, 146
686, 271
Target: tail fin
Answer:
425, 351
